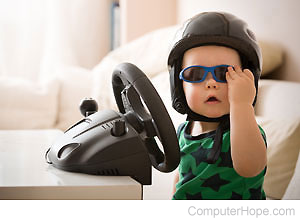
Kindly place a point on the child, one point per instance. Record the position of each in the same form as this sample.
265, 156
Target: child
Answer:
214, 71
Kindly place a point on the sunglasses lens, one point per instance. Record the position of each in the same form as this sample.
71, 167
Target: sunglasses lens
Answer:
194, 74
220, 73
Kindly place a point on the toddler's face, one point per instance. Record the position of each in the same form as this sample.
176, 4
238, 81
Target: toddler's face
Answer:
209, 98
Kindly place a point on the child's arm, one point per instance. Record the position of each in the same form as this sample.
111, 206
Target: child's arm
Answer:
176, 179
248, 149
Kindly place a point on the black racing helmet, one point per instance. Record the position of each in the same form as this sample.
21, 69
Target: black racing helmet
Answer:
212, 28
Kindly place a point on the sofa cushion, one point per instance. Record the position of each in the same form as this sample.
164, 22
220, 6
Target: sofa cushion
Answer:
282, 153
293, 190
75, 85
26, 104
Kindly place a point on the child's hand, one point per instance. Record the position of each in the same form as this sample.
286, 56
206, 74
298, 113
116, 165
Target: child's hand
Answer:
241, 88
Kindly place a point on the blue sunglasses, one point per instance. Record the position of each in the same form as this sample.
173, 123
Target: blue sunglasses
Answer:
197, 73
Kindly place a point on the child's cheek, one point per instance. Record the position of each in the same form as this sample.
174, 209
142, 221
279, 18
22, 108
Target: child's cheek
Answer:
192, 94
225, 99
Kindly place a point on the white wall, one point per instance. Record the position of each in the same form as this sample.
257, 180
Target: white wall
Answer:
139, 17
39, 36
272, 20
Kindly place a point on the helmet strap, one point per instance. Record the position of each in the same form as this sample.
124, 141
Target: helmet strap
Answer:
224, 124
192, 116
218, 140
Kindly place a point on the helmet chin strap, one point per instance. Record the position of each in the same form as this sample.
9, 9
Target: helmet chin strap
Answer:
224, 124
218, 140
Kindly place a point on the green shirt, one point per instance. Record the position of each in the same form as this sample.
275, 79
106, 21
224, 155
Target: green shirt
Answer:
200, 180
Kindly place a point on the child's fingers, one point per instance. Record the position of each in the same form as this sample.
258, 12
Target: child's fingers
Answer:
228, 77
231, 73
249, 74
238, 70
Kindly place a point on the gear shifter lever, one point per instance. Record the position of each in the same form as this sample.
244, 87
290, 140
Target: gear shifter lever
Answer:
88, 106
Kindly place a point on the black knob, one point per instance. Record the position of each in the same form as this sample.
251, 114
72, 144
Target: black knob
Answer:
118, 128
88, 106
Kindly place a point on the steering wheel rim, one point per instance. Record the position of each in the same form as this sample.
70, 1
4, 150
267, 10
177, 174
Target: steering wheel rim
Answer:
127, 75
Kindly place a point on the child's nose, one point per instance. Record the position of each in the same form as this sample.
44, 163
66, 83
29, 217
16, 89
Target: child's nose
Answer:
210, 82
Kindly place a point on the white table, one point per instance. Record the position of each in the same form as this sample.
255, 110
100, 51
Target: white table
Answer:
24, 173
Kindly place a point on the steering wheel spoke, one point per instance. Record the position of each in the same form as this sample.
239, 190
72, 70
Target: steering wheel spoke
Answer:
133, 103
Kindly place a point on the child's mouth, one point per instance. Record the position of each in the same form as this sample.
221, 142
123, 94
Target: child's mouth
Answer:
212, 100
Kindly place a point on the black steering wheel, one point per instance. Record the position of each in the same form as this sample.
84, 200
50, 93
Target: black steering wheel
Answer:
130, 84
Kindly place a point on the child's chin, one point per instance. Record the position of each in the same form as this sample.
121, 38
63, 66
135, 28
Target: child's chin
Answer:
212, 113
215, 115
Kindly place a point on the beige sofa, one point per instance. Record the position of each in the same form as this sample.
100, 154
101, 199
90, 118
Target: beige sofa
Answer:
54, 104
